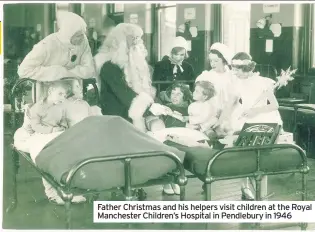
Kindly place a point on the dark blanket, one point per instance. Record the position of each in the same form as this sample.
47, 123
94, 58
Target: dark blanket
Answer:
104, 136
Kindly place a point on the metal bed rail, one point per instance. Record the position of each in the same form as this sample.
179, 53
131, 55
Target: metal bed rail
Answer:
65, 190
296, 123
258, 174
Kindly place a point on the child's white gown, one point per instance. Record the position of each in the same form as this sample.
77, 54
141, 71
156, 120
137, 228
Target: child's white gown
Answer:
224, 84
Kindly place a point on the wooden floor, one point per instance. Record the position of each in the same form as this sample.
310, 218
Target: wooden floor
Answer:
35, 212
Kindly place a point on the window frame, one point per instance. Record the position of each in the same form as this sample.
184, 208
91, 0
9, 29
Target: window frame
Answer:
309, 42
157, 34
110, 12
312, 38
111, 9
236, 15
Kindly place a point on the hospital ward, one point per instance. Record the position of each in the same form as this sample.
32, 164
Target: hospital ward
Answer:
156, 101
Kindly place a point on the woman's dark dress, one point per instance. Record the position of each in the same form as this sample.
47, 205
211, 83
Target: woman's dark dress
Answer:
163, 71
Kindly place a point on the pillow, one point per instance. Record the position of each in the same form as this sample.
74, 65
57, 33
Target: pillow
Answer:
27, 120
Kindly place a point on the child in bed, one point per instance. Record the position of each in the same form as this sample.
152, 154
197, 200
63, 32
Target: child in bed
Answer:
48, 119
180, 97
203, 114
48, 115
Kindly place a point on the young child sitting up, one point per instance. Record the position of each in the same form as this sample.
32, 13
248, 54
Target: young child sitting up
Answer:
48, 115
180, 97
203, 113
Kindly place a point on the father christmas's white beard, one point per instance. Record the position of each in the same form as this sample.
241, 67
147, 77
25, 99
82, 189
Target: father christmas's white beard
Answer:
137, 71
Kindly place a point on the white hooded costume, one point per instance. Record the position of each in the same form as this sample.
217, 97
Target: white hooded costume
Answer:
50, 59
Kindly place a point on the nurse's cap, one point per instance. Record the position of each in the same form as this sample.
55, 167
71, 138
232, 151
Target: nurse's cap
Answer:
224, 50
179, 41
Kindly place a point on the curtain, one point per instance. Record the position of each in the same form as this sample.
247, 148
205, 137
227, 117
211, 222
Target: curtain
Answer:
236, 26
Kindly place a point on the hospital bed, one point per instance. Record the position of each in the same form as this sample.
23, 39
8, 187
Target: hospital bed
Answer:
66, 191
298, 116
254, 155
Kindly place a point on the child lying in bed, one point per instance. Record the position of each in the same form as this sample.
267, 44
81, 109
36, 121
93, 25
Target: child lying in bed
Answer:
202, 114
180, 97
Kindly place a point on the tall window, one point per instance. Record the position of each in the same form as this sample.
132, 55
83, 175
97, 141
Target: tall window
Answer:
313, 36
60, 7
166, 28
236, 26
118, 8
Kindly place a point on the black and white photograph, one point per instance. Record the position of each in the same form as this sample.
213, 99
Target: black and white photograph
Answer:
158, 115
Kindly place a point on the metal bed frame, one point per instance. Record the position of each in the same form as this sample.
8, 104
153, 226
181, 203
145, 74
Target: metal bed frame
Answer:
209, 178
296, 122
258, 149
66, 192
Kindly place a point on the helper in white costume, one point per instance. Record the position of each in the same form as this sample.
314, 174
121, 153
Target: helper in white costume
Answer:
65, 53
249, 91
255, 103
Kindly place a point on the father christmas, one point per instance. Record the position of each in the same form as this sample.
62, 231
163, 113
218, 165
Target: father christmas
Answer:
124, 76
